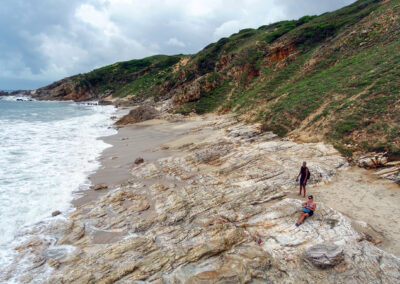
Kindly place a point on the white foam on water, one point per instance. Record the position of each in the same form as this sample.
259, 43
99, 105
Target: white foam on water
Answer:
16, 98
41, 164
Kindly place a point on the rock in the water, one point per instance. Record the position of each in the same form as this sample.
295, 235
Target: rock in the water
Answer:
142, 113
100, 186
56, 213
105, 102
139, 161
324, 255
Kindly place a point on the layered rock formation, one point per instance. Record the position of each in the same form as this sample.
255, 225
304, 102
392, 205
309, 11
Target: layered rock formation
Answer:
214, 211
380, 161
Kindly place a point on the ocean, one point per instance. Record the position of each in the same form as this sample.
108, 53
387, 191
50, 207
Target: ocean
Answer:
47, 151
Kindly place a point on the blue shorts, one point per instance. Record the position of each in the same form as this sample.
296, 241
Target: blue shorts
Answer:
305, 210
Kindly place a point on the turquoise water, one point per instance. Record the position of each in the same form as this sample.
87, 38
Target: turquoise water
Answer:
47, 150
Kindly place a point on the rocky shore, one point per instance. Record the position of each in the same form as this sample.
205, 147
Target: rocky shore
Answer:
215, 201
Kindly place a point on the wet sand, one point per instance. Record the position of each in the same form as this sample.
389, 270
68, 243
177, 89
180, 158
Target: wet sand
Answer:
149, 140
128, 144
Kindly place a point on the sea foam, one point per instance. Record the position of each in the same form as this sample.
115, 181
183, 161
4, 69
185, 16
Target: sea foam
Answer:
47, 150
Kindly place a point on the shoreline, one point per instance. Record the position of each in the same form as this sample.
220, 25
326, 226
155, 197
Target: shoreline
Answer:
115, 161
208, 186
140, 140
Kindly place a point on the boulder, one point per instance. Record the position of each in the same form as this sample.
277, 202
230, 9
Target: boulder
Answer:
105, 102
99, 186
142, 113
324, 255
139, 161
56, 213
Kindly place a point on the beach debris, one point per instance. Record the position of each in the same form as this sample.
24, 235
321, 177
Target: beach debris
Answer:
99, 186
139, 161
56, 213
324, 255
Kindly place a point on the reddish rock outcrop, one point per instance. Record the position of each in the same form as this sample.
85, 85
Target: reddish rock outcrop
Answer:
280, 53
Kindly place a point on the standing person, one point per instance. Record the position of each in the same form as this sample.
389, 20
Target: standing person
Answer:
304, 173
307, 211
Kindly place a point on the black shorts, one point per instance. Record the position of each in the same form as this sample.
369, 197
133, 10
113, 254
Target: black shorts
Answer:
310, 214
302, 181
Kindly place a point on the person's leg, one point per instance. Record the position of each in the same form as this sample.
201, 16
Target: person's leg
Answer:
300, 189
302, 217
304, 190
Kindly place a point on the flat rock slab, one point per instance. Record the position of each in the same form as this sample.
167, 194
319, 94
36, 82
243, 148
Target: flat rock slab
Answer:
324, 255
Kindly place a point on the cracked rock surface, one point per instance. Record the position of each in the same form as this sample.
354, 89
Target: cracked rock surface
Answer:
215, 210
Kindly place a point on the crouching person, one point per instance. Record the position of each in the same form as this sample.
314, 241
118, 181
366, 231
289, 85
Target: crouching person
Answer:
308, 210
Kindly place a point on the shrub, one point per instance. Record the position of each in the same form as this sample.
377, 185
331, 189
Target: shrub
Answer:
314, 34
283, 28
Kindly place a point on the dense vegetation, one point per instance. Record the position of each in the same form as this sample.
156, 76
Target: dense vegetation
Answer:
334, 77
136, 77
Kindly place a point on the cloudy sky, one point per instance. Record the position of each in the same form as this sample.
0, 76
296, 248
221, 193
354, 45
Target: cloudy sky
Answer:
45, 40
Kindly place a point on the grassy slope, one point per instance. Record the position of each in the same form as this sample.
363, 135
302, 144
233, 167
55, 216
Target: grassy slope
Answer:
354, 87
339, 77
138, 78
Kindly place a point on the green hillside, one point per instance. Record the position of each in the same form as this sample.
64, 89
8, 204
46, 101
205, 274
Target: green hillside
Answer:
139, 77
331, 77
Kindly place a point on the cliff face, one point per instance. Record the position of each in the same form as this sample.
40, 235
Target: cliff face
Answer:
66, 89
330, 77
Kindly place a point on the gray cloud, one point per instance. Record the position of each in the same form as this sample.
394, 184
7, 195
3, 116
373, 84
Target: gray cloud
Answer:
45, 40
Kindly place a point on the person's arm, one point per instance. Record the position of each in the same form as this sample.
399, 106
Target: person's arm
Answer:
307, 173
315, 207
303, 204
